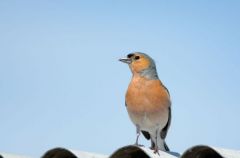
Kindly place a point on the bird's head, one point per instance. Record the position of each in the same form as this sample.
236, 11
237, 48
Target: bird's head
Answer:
141, 64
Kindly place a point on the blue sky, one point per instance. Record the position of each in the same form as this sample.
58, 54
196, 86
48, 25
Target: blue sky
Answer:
61, 83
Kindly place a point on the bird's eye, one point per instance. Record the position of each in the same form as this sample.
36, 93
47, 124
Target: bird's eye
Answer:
130, 55
137, 57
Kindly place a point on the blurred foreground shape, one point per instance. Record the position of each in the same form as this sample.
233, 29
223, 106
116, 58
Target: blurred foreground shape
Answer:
132, 151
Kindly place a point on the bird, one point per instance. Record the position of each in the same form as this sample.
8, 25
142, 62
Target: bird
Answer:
147, 101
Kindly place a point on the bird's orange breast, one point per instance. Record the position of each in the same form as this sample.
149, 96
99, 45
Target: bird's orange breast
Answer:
147, 96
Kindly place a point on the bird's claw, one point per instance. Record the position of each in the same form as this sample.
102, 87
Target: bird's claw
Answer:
156, 152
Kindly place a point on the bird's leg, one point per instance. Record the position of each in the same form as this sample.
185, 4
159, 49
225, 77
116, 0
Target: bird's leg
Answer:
156, 150
156, 144
152, 145
138, 134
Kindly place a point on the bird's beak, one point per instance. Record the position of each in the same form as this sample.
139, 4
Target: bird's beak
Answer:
126, 60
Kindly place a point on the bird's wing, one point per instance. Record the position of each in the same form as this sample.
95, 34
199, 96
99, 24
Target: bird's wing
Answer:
146, 134
164, 131
166, 89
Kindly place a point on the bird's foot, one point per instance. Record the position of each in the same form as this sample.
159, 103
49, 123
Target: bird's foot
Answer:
156, 151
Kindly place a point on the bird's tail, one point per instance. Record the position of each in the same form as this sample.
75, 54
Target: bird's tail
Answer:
166, 147
161, 144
